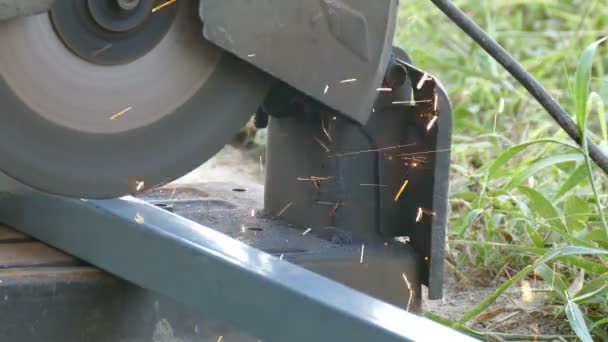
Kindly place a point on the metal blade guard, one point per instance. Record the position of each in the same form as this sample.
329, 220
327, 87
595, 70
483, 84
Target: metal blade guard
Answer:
376, 185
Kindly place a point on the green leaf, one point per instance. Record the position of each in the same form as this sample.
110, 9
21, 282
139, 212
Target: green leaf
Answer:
595, 98
554, 280
557, 252
472, 216
534, 236
582, 83
468, 196
590, 296
577, 321
593, 288
575, 179
507, 155
576, 213
582, 100
599, 323
542, 207
543, 164
595, 236
585, 264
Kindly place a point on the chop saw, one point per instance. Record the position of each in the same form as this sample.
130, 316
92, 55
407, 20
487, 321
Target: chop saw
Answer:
106, 98
103, 99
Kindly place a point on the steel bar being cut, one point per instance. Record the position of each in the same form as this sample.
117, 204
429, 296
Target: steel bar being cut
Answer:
209, 272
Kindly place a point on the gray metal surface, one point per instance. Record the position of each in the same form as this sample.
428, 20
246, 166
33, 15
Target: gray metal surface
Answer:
333, 50
378, 270
16, 8
210, 272
360, 169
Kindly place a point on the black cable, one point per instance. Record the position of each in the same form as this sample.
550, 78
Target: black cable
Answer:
520, 74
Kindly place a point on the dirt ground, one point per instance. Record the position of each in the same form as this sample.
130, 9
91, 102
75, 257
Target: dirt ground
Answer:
520, 311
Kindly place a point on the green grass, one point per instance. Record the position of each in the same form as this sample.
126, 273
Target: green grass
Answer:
526, 201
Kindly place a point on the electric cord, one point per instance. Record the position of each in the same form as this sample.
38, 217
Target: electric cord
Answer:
502, 56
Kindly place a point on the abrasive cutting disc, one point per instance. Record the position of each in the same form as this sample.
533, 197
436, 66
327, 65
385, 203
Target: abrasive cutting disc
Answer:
101, 98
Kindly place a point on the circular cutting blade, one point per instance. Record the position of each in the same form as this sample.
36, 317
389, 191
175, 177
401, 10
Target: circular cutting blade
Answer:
72, 127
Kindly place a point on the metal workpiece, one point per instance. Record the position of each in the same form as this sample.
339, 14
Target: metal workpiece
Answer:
210, 272
335, 51
376, 182
387, 271
18, 8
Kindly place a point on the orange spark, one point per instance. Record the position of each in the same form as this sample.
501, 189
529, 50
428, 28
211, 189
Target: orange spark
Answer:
375, 150
409, 103
362, 253
398, 195
335, 209
424, 78
103, 49
431, 123
402, 239
119, 114
419, 215
325, 131
164, 4
411, 291
261, 164
314, 178
423, 152
139, 219
284, 209
322, 144
326, 203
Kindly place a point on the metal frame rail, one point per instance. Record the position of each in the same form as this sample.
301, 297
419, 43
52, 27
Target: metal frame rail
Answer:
217, 276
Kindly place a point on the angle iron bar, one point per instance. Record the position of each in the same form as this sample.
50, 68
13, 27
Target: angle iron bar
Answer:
212, 273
